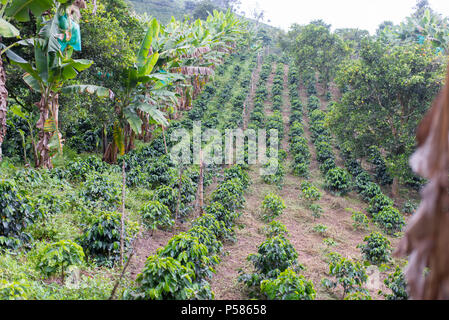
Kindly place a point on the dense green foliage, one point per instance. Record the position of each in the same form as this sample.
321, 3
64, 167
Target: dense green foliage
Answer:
376, 249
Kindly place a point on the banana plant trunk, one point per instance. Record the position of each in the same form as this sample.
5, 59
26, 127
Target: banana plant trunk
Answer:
3, 105
49, 110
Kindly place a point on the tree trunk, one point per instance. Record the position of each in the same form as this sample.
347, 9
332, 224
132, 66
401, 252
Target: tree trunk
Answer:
165, 141
105, 138
3, 105
49, 109
395, 187
110, 156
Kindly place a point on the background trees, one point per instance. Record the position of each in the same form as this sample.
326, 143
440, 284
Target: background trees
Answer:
386, 93
320, 49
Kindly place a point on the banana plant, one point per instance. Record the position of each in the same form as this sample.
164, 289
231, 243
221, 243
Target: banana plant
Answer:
19, 10
8, 11
143, 86
48, 75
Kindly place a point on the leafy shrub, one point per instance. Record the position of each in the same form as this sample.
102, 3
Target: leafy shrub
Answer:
397, 284
409, 207
378, 203
13, 290
222, 214
156, 215
317, 210
359, 220
370, 191
274, 256
29, 177
381, 173
288, 286
362, 181
101, 190
310, 193
354, 167
211, 223
59, 256
274, 229
320, 229
272, 206
313, 103
165, 278
317, 115
377, 249
16, 213
329, 242
188, 250
358, 295
167, 196
328, 165
80, 169
230, 194
324, 152
237, 172
102, 239
208, 238
301, 170
278, 177
349, 274
297, 129
338, 180
50, 203
390, 220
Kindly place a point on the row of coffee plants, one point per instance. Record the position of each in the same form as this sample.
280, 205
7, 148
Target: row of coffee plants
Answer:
299, 147
276, 269
182, 268
337, 179
275, 121
381, 208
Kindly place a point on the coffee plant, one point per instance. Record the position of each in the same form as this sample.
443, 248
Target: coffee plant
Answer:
376, 249
59, 256
390, 220
397, 284
188, 250
274, 229
288, 286
272, 206
16, 213
165, 278
156, 215
338, 180
349, 274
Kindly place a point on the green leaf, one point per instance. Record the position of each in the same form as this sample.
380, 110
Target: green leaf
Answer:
17, 110
49, 32
100, 92
20, 9
133, 119
152, 32
32, 82
157, 115
7, 30
149, 65
119, 138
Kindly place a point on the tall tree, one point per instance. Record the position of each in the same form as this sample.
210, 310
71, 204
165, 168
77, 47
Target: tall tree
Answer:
386, 92
320, 49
